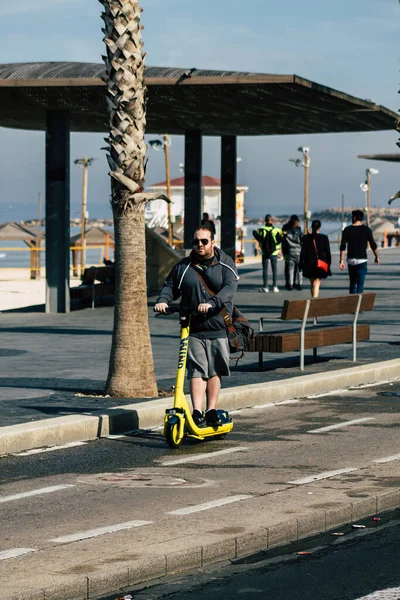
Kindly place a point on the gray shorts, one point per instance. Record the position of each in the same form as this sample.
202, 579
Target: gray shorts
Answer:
207, 358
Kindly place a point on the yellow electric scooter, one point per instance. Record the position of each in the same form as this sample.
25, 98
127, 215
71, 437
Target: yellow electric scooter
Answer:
178, 421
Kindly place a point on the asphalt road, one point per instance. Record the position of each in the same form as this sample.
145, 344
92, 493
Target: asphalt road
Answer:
90, 505
364, 566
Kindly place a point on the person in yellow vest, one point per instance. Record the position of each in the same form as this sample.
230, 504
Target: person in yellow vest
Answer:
269, 237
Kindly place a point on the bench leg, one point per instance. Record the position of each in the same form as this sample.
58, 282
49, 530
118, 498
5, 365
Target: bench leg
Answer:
260, 361
314, 352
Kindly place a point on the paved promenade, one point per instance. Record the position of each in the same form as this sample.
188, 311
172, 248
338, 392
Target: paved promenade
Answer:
56, 365
49, 361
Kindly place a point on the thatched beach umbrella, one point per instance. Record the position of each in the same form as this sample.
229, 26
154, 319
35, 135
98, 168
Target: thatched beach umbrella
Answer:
94, 236
16, 232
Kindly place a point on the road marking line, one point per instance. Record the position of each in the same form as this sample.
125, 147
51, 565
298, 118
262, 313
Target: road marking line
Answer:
333, 393
271, 404
204, 455
387, 594
119, 436
339, 425
374, 384
50, 449
84, 535
38, 492
15, 552
207, 505
324, 475
387, 459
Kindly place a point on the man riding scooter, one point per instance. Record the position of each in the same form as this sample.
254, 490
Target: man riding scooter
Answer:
206, 282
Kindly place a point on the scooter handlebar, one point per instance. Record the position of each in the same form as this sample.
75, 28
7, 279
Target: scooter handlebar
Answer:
171, 310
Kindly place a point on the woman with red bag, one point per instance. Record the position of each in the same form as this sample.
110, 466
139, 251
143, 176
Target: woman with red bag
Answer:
315, 258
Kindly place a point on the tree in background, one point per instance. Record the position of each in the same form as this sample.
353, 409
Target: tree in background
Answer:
131, 369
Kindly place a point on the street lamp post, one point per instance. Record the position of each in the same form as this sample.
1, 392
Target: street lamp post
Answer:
164, 145
304, 162
85, 163
366, 187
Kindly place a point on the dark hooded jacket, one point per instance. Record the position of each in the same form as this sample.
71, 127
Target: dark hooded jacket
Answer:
183, 282
292, 242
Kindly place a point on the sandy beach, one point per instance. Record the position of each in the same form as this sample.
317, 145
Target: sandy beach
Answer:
17, 290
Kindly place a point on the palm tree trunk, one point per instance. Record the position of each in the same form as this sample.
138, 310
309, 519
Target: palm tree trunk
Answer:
131, 369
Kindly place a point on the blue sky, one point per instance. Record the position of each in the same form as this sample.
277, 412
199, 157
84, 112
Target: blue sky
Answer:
350, 45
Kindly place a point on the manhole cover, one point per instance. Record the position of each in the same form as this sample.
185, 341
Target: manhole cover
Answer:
136, 479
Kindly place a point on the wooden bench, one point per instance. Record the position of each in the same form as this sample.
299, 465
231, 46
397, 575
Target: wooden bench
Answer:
316, 336
96, 283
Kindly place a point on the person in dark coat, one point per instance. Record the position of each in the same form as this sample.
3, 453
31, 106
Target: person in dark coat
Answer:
207, 269
291, 250
208, 223
357, 237
315, 246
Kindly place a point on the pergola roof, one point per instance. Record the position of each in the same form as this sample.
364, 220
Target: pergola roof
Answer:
214, 102
395, 157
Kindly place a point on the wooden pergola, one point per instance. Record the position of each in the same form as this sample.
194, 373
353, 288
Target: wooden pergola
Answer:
64, 97
14, 231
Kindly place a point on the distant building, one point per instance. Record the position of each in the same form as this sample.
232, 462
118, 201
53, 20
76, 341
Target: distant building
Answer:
156, 211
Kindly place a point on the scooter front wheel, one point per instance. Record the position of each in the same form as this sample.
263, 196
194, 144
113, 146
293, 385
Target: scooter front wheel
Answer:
172, 435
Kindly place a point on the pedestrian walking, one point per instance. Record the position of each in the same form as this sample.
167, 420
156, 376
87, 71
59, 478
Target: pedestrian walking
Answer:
291, 249
269, 237
356, 238
315, 257
206, 269
209, 223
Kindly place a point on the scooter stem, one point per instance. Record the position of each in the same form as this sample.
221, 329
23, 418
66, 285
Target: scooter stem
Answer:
183, 351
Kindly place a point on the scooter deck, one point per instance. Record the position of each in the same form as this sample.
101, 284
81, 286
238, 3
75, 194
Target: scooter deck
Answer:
200, 433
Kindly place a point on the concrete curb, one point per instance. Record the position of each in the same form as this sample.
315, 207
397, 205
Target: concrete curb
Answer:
146, 415
264, 538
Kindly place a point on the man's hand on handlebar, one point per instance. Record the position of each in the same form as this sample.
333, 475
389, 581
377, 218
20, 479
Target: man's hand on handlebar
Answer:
161, 307
204, 308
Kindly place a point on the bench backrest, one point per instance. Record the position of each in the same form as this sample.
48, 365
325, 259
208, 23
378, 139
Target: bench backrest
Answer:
327, 307
89, 276
92, 274
103, 272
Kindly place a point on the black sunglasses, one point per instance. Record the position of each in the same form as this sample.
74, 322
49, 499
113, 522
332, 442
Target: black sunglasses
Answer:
204, 241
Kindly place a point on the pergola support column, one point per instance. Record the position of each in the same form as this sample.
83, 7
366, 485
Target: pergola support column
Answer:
193, 187
228, 194
57, 211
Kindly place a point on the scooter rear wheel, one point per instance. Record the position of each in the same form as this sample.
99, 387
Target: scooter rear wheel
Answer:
172, 435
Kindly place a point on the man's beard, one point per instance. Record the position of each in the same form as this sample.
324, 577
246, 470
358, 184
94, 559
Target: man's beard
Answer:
203, 257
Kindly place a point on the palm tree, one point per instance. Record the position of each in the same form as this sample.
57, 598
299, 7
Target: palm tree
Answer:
131, 369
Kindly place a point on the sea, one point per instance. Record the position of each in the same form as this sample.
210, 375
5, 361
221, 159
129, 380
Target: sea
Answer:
15, 254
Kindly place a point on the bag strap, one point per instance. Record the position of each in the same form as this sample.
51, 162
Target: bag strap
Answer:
315, 246
224, 312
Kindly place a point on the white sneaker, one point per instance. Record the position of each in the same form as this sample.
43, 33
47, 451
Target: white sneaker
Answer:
266, 290
276, 289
